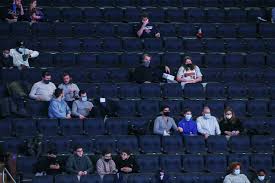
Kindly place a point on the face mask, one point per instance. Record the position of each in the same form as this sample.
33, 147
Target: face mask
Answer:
237, 171
47, 81
228, 116
207, 116
188, 117
188, 65
166, 113
22, 50
261, 178
84, 99
146, 63
107, 160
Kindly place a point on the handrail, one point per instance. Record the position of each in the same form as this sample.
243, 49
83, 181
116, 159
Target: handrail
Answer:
3, 175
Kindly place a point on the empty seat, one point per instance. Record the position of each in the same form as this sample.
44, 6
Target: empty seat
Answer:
148, 107
72, 14
52, 14
37, 108
171, 163
173, 44
132, 44
90, 178
227, 31
117, 126
149, 90
172, 144
42, 29
194, 144
236, 91
193, 45
210, 178
43, 179
92, 45
257, 91
214, 45
66, 179
93, 14
261, 161
248, 30
270, 45
187, 30
148, 163
214, 60
261, 144
254, 13
125, 30
175, 15
193, 163
107, 90
63, 30
194, 90
216, 163
105, 142
255, 60
127, 142
252, 47
140, 178
267, 30
13, 145
195, 15
217, 144
239, 144
6, 126
86, 60
175, 93
215, 91
239, 107
94, 126
235, 45
167, 30
125, 108
257, 108
71, 127
132, 15
64, 59
156, 14
70, 45
150, 144
113, 14
252, 75
83, 29
235, 14
21, 29
153, 44
24, 165
215, 15
24, 127
128, 91
49, 44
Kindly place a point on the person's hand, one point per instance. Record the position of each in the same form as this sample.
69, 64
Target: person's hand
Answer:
80, 173
6, 53
128, 169
68, 116
157, 35
85, 173
206, 136
228, 133
167, 69
145, 22
81, 117
237, 132
147, 82
180, 129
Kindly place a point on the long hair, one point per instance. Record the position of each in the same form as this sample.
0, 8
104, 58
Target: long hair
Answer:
233, 119
190, 66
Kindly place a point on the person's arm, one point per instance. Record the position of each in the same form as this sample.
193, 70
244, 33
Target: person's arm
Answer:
113, 167
69, 166
195, 129
76, 91
53, 110
68, 110
89, 165
180, 73
174, 126
32, 94
199, 75
157, 126
217, 127
227, 180
246, 179
100, 167
74, 110
21, 9
141, 29
32, 53
200, 130
135, 166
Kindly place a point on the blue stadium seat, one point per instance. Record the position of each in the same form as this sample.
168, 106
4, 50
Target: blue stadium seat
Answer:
254, 13
214, 45
127, 142
252, 47
104, 30
42, 29
59, 3
174, 106
227, 31
92, 45
150, 144
255, 60
257, 107
175, 93
86, 60
194, 105
129, 60
9, 75
186, 178
247, 30
194, 91
70, 45
132, 15
49, 44
267, 30
13, 145
76, 3
236, 91
252, 75
119, 75
139, 123
94, 126
125, 3
140, 178
252, 3
42, 179
215, 163
187, 30
62, 29
37, 108
148, 107
125, 30
21, 29
83, 29
103, 3
72, 14
215, 91
239, 144
71, 127
257, 91
242, 158
148, 163
66, 179
236, 14
126, 108
171, 163
261, 144
216, 107
5, 29
117, 126
62, 145
32, 75
150, 90
261, 161
210, 178
64, 59
24, 165
195, 15
105, 142
239, 107
86, 143
256, 125
93, 14
6, 127
156, 14
52, 14
90, 178
132, 44
24, 127
154, 45
175, 15
167, 30
128, 91
173, 44
44, 60
235, 45
109, 178
208, 3
208, 30
268, 76
98, 75
113, 14
173, 60
107, 90
193, 45
193, 163
194, 144
172, 144
215, 15
190, 3
270, 45
217, 144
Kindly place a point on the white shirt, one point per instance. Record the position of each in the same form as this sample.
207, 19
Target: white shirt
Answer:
18, 59
42, 91
208, 126
189, 75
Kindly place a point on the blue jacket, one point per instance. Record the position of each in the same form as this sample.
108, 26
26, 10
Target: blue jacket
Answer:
58, 109
189, 127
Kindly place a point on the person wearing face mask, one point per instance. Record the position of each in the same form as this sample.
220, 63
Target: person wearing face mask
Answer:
82, 108
43, 90
261, 177
146, 29
70, 89
230, 125
58, 108
187, 126
207, 124
105, 165
20, 55
189, 72
164, 123
78, 163
147, 74
235, 175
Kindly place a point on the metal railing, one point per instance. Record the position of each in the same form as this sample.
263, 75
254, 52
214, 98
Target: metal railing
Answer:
4, 172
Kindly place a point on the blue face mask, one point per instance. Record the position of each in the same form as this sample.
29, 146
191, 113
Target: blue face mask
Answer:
84, 99
188, 117
207, 116
237, 171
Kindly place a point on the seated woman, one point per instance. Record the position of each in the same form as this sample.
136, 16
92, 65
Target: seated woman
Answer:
188, 72
36, 15
230, 125
261, 177
235, 175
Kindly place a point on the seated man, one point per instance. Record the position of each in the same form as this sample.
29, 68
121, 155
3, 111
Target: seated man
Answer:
58, 107
20, 55
79, 164
146, 29
70, 89
164, 123
105, 165
82, 108
147, 74
188, 126
43, 90
207, 124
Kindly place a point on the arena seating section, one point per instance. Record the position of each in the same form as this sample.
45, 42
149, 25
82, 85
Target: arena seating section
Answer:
95, 41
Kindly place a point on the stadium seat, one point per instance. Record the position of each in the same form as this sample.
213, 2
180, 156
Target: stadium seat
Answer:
42, 29
72, 14
255, 60
174, 106
227, 31
239, 144
267, 30
70, 45
175, 93
216, 144
235, 45
242, 158
215, 91
150, 90
66, 179
215, 15
126, 108
150, 144
62, 145
261, 161
52, 14
187, 30
148, 107
214, 60
257, 108
236, 91
105, 142
127, 142
83, 29
261, 144
6, 126
132, 44
112, 45
24, 127
140, 178
92, 45
195, 15
257, 91
21, 29
24, 166
64, 59
98, 75
172, 144
254, 13
173, 44
156, 14
214, 45
37, 108
113, 14
125, 30
119, 75
252, 47
194, 144
71, 127
153, 45
49, 44
210, 178
117, 126
132, 15
247, 30
175, 15
235, 14
43, 179
193, 163
13, 145
93, 15
128, 91
193, 45
86, 60
171, 163
194, 105
270, 45
174, 60
94, 126
107, 90
90, 178
194, 91
148, 163
215, 163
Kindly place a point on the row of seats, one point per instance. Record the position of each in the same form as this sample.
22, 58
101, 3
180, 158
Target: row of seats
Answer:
210, 30
213, 163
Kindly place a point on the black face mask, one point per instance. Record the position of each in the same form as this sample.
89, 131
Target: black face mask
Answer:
189, 65
47, 81
107, 160
166, 113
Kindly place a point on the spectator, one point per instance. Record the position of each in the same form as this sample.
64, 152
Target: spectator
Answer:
49, 164
83, 108
261, 177
188, 126
146, 29
43, 90
70, 89
161, 177
36, 15
20, 55
189, 72
79, 164
105, 165
147, 74
6, 60
16, 12
207, 124
273, 15
58, 107
230, 125
235, 176
164, 123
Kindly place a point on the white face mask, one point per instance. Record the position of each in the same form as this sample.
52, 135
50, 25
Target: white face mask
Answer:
261, 178
22, 50
237, 171
84, 99
228, 116
207, 116
188, 117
